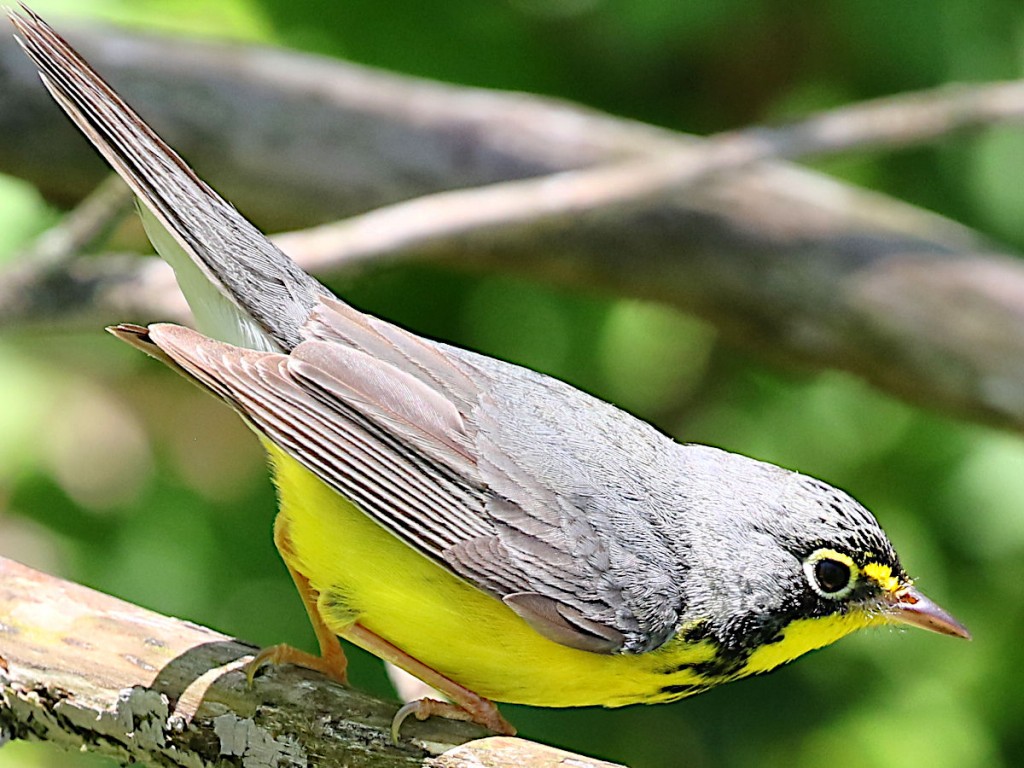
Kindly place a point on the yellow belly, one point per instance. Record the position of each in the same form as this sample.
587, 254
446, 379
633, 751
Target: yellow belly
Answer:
366, 574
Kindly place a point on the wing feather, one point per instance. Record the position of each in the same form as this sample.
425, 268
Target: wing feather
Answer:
422, 501
334, 321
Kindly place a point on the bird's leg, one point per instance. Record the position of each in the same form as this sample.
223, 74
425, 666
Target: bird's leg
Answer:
466, 705
331, 661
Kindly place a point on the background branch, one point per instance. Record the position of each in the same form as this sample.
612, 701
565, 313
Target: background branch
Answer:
511, 211
782, 261
82, 669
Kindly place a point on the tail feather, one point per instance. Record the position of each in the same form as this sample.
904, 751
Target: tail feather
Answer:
241, 287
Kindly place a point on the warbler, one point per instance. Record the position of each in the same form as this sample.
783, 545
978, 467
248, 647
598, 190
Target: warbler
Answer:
493, 531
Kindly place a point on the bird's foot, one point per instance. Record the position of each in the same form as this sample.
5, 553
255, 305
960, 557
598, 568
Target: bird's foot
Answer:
483, 712
333, 664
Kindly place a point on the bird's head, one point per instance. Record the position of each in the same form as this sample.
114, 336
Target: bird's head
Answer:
792, 564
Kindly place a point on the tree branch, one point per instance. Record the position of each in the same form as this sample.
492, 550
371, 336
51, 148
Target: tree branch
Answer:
296, 139
501, 212
84, 670
781, 260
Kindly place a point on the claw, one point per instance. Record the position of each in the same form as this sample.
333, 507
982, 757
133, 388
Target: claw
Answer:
488, 717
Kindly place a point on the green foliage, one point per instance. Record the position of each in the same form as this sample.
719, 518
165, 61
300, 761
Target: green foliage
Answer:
115, 473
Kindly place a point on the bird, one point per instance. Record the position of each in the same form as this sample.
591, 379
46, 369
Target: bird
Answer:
495, 532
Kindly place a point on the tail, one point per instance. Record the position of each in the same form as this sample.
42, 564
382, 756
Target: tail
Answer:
241, 288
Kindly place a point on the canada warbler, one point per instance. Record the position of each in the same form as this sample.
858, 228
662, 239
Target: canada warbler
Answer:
491, 530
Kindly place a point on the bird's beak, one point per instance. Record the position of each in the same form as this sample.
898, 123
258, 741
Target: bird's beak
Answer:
908, 606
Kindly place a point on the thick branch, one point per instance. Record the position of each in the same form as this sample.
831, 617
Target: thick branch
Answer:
783, 261
84, 670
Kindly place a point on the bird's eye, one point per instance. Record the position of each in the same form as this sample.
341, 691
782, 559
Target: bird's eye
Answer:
831, 574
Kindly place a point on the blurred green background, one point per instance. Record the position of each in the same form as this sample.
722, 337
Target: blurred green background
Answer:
115, 473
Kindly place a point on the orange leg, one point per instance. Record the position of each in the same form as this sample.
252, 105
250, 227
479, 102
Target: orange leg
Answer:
467, 705
331, 661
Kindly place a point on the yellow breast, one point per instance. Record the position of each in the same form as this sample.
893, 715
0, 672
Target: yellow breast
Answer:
364, 573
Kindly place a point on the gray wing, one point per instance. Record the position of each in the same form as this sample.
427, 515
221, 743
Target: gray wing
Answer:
587, 504
580, 497
512, 480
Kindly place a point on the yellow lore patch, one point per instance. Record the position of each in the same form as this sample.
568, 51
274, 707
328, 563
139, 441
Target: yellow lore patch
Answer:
882, 576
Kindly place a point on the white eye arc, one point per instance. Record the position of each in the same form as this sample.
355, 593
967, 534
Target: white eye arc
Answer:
831, 574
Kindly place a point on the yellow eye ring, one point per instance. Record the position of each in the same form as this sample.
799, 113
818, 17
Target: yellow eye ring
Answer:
831, 574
